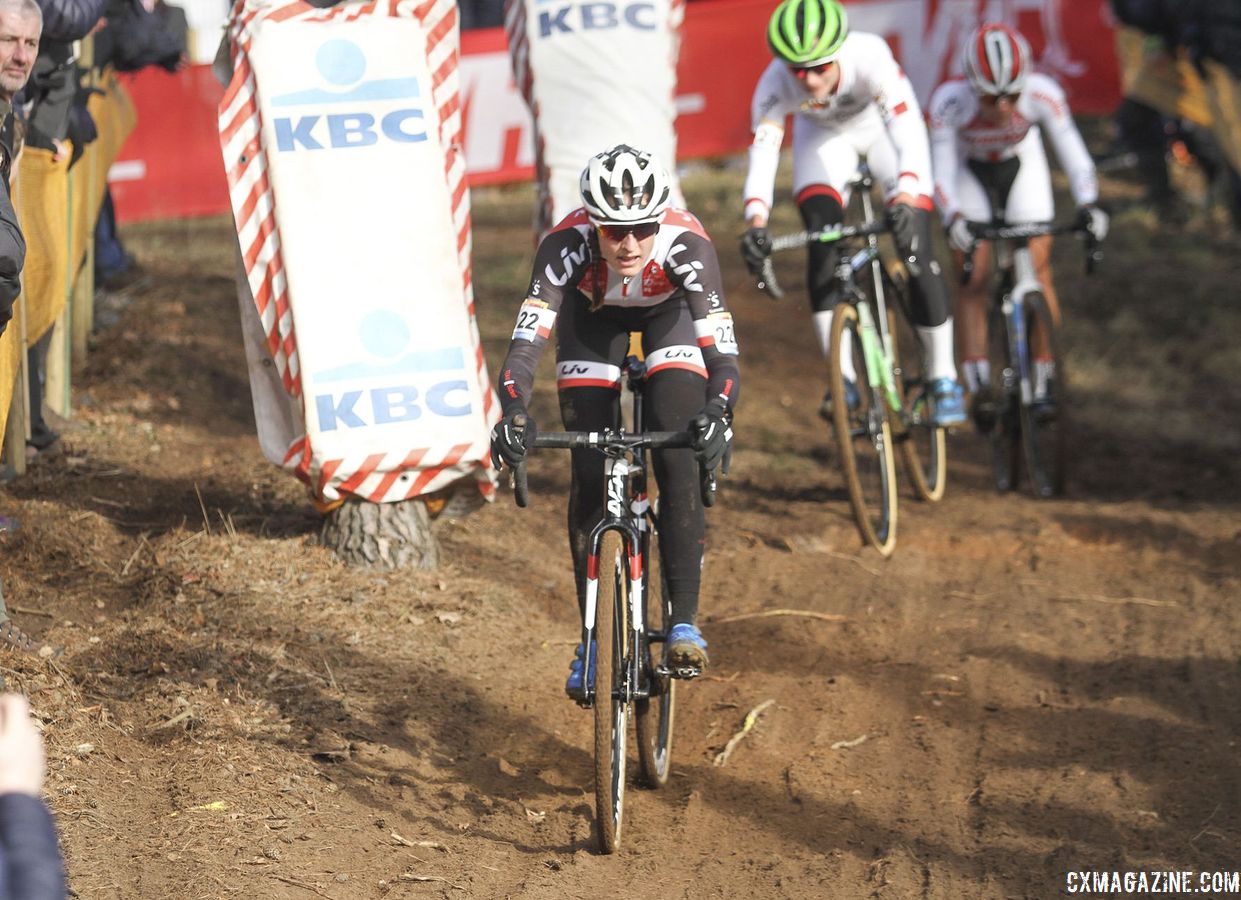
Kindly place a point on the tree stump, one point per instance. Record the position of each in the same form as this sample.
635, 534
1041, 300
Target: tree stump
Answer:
382, 535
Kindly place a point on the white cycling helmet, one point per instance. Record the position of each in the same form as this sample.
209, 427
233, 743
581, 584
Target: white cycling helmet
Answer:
625, 186
996, 60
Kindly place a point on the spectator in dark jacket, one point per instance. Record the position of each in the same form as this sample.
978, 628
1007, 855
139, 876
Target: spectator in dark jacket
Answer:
30, 864
20, 24
50, 95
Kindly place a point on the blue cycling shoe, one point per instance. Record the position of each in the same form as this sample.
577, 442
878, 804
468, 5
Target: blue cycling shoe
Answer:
852, 397
685, 654
949, 399
575, 687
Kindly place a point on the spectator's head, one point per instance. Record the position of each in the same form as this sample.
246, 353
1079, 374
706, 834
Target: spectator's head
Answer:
807, 36
21, 23
996, 60
625, 191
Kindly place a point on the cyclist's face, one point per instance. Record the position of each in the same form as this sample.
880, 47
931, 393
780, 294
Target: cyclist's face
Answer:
626, 248
818, 81
997, 109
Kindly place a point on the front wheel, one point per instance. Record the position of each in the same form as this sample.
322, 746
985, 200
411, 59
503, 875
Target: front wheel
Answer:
653, 715
1044, 420
924, 445
611, 709
997, 405
859, 419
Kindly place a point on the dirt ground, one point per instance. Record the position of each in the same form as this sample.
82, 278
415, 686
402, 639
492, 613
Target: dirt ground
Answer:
1026, 689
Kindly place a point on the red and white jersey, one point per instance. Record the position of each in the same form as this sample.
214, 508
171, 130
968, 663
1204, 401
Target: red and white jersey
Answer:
958, 133
872, 88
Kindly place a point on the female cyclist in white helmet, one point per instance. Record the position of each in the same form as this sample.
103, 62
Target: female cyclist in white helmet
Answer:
629, 262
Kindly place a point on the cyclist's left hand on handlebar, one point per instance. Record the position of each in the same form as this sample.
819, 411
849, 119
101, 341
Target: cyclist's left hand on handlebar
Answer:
712, 434
1094, 220
901, 220
959, 235
755, 248
511, 437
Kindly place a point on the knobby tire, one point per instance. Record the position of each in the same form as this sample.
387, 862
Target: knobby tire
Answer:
1044, 428
654, 715
611, 711
1003, 398
864, 437
924, 447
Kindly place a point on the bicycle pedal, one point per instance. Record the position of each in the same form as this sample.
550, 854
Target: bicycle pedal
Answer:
685, 673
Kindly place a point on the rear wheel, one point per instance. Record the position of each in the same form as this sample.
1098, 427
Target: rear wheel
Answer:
611, 711
863, 436
924, 446
996, 408
653, 715
1044, 425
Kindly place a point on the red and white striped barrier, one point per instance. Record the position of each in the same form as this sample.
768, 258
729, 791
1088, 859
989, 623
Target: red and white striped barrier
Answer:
347, 180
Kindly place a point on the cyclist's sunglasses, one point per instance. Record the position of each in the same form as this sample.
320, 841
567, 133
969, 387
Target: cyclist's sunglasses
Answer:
618, 233
802, 71
994, 99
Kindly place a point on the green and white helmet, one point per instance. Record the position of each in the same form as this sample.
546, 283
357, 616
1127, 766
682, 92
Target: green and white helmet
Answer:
807, 32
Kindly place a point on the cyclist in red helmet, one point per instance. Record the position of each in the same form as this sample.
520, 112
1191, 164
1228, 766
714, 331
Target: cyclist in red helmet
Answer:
986, 140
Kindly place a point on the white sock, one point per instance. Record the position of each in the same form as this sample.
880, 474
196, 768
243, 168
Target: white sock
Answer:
937, 344
823, 331
977, 374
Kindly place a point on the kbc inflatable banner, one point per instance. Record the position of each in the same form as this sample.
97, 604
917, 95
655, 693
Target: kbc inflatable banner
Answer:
594, 74
341, 140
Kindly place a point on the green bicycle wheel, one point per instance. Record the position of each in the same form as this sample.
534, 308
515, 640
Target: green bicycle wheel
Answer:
611, 709
863, 437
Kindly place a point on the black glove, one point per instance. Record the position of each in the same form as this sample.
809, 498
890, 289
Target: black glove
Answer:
511, 437
712, 434
902, 220
755, 248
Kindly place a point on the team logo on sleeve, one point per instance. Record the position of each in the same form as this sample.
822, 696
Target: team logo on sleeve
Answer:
686, 271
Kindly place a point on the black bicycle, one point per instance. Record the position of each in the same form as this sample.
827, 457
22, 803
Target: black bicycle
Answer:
886, 404
1024, 413
628, 608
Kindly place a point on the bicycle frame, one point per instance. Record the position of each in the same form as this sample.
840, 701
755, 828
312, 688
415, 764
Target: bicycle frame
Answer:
876, 341
625, 511
1017, 261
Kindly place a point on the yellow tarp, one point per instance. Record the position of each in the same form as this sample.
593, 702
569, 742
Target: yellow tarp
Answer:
115, 118
41, 196
11, 351
1224, 94
1169, 84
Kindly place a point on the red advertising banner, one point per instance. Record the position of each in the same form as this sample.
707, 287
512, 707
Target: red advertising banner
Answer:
171, 164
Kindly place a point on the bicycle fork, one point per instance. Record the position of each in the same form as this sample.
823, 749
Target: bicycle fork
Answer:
1014, 309
632, 572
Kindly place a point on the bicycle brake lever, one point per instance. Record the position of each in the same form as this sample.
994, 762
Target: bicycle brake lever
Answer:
767, 280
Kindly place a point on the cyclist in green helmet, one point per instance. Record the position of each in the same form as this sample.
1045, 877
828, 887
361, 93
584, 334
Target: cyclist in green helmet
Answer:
850, 102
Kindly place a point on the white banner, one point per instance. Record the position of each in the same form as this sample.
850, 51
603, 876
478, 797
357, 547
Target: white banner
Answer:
595, 74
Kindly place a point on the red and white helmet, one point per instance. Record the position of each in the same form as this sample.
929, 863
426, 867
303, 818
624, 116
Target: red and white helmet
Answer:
996, 60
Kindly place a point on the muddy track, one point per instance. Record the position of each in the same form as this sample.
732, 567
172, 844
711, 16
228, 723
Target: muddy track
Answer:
1025, 689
